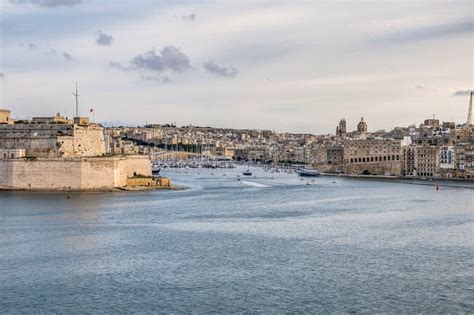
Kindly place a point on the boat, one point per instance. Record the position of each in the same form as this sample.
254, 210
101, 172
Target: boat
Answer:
247, 173
155, 170
308, 173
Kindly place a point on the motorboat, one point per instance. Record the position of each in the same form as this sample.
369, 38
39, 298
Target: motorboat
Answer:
247, 173
308, 173
155, 170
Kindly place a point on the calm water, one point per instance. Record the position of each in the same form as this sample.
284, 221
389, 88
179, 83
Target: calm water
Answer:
258, 245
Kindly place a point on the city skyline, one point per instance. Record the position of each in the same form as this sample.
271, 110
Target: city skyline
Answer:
284, 67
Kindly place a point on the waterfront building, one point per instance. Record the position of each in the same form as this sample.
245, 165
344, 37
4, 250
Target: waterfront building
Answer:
465, 160
447, 157
372, 156
427, 158
408, 161
335, 155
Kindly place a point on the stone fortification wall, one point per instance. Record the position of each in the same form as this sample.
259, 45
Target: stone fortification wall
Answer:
71, 174
383, 168
88, 141
54, 140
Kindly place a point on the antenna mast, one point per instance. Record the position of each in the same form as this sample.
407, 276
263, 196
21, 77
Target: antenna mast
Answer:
77, 101
469, 113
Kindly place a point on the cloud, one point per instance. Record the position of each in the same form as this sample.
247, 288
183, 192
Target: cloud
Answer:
224, 71
170, 58
67, 56
149, 61
49, 52
461, 93
103, 39
189, 18
429, 32
118, 66
157, 78
48, 3
152, 66
2, 75
52, 52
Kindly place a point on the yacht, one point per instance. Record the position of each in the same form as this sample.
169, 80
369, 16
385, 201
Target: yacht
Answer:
308, 173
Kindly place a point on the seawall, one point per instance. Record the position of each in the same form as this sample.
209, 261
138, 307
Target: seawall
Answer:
91, 173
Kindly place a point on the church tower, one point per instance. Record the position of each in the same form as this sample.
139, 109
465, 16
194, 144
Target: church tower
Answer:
362, 126
341, 130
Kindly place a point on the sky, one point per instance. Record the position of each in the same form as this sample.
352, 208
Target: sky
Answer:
288, 66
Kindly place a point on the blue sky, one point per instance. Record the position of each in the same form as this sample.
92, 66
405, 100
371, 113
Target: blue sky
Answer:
286, 66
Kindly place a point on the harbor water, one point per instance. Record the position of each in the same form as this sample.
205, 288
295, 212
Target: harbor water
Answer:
266, 243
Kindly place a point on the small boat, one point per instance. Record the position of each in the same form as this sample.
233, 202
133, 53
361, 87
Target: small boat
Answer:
309, 173
308, 183
247, 173
155, 170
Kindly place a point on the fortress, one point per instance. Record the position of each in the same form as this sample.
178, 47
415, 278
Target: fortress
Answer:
56, 153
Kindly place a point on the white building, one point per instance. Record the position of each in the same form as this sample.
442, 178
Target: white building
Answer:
446, 157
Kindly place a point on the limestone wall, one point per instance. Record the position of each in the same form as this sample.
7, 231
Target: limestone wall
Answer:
71, 174
385, 168
89, 141
4, 116
39, 147
54, 140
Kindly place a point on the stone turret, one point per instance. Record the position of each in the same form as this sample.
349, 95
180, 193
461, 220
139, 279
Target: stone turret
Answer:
5, 117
